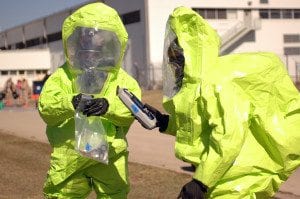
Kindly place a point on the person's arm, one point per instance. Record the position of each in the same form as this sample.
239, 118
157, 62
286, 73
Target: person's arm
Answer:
226, 112
55, 101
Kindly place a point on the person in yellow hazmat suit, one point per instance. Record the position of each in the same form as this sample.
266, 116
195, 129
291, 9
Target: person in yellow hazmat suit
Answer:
94, 41
235, 117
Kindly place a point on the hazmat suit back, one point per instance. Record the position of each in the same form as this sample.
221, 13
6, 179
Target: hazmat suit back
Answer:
239, 124
70, 174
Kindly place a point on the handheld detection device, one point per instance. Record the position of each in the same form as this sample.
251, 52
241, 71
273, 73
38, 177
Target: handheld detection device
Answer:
137, 108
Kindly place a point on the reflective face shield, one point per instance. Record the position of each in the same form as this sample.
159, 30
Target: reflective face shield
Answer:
173, 65
90, 48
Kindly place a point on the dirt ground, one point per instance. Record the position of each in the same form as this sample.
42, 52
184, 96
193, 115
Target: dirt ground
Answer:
23, 167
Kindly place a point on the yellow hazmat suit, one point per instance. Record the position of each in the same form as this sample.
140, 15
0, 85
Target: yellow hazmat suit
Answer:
235, 117
72, 175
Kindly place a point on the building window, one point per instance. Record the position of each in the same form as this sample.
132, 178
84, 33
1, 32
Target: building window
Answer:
4, 72
20, 45
279, 14
43, 40
33, 42
54, 37
264, 1
131, 17
221, 14
30, 72
291, 38
275, 14
297, 14
201, 12
264, 14
292, 50
21, 72
287, 14
38, 72
212, 13
13, 72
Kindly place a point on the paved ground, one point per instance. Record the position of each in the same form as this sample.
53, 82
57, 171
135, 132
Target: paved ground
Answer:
146, 147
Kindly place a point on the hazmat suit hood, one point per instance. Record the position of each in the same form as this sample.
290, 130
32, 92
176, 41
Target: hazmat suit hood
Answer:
101, 24
199, 41
200, 45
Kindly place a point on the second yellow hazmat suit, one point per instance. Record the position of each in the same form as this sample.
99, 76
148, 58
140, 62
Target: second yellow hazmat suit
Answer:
72, 175
235, 117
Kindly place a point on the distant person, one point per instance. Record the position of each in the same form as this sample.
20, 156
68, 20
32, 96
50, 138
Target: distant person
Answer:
236, 118
10, 92
25, 93
94, 41
19, 86
19, 91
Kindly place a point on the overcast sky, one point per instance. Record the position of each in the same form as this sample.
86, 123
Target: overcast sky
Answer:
16, 12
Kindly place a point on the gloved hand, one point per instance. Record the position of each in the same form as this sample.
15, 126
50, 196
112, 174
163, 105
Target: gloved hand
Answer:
193, 190
76, 100
95, 107
162, 119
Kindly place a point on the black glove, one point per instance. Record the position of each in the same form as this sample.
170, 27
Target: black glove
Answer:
193, 190
95, 107
162, 119
76, 100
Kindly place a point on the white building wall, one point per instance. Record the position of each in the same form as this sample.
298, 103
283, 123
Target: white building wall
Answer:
28, 61
270, 38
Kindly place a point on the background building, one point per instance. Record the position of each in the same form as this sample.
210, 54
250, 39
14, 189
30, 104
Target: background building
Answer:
244, 26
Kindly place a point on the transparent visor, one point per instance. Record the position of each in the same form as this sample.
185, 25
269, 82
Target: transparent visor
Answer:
91, 81
173, 64
90, 48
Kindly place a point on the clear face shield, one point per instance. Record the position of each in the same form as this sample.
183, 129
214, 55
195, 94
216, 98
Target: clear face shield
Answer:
173, 65
92, 54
